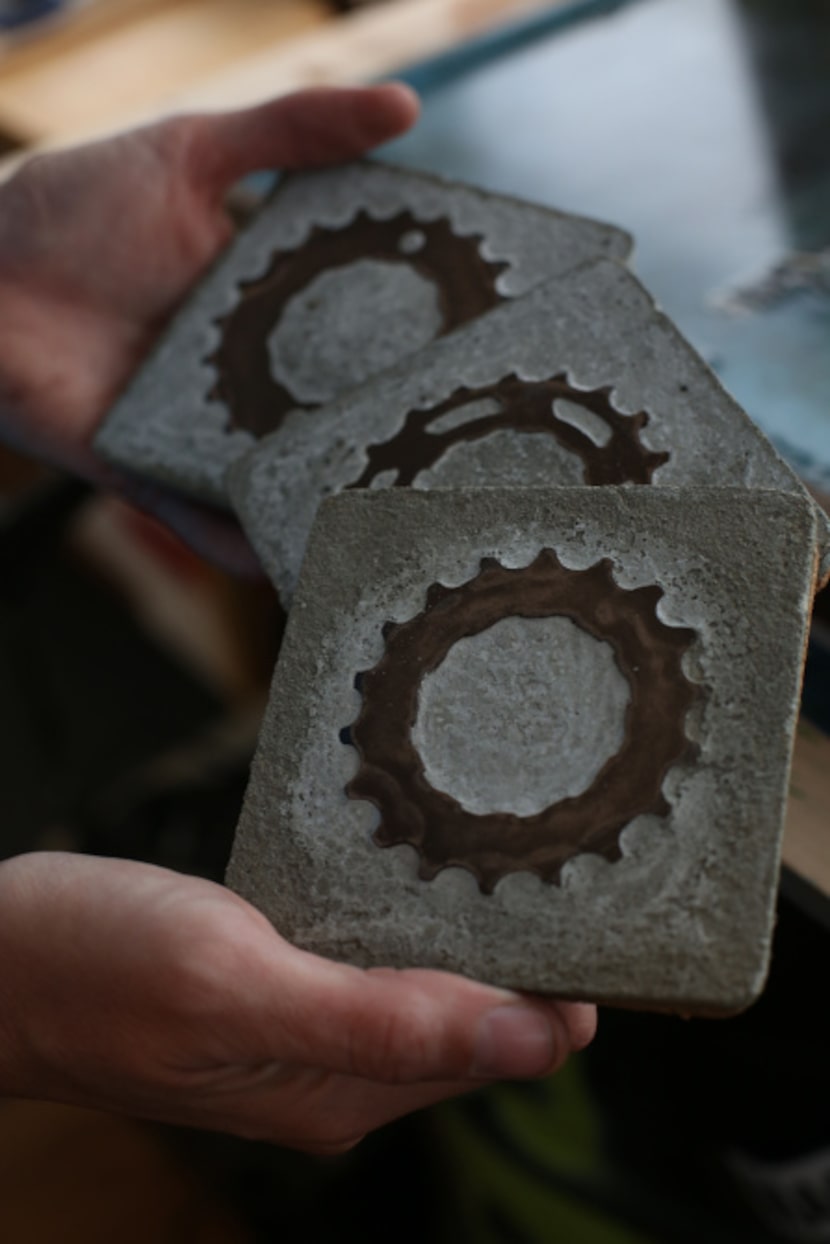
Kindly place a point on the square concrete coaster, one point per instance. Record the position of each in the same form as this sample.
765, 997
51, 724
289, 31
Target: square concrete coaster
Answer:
564, 720
343, 273
583, 381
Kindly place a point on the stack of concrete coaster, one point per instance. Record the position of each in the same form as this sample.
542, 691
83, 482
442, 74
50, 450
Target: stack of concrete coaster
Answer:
581, 382
533, 714
343, 273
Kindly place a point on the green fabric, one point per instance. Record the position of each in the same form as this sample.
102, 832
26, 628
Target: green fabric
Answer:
526, 1165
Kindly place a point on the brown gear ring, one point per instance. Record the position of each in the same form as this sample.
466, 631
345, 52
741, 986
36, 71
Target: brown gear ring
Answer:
391, 773
523, 406
465, 281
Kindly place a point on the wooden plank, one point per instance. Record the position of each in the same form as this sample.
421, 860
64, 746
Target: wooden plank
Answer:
176, 64
363, 45
72, 85
66, 28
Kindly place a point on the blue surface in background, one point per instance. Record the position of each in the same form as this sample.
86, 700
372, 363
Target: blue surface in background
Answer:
701, 126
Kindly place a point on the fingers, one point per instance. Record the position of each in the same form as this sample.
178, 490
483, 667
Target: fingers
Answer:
353, 1050
410, 1027
333, 1114
172, 998
580, 1019
337, 1052
319, 126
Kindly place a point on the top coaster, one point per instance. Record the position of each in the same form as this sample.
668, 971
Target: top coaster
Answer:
582, 381
541, 737
344, 272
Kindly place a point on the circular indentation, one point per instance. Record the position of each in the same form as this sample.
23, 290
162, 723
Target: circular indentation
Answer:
504, 459
348, 324
246, 374
649, 656
498, 431
521, 715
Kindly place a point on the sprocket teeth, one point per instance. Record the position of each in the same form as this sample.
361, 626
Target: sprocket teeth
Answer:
649, 654
662, 807
467, 284
524, 406
436, 592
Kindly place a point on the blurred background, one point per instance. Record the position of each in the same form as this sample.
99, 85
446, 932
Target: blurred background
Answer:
133, 674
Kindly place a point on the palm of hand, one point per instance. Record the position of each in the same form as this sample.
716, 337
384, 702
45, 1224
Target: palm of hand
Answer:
169, 997
98, 246
121, 231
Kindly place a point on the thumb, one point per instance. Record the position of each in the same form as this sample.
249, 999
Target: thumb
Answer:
414, 1026
318, 126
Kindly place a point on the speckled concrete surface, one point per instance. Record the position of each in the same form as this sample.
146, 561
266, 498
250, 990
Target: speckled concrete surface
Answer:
682, 920
597, 327
168, 426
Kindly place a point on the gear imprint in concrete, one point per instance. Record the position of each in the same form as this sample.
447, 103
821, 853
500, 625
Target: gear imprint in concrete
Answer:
621, 781
538, 736
343, 273
582, 381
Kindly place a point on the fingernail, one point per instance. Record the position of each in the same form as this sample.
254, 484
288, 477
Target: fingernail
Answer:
583, 1025
513, 1040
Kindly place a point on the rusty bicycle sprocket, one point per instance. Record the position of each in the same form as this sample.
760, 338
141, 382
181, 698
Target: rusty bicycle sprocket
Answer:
523, 406
464, 279
391, 773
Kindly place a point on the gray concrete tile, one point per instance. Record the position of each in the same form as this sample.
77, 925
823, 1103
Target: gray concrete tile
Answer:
538, 736
583, 381
343, 273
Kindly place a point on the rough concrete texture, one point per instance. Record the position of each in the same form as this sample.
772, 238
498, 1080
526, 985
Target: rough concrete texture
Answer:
469, 715
682, 920
340, 326
666, 420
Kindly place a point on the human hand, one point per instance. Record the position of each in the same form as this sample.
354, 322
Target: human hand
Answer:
100, 244
126, 987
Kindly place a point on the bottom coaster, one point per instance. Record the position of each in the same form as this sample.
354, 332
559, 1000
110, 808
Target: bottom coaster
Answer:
538, 736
